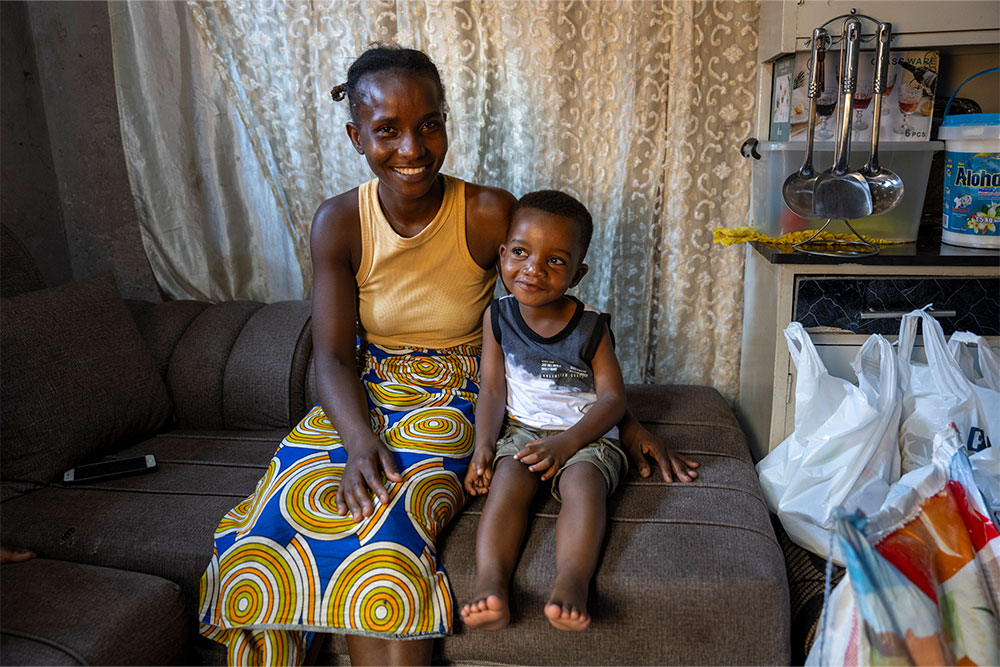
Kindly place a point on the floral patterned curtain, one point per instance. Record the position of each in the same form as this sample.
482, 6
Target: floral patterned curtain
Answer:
636, 108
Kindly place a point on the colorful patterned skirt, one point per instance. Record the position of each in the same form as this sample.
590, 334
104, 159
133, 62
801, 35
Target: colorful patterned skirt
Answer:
286, 564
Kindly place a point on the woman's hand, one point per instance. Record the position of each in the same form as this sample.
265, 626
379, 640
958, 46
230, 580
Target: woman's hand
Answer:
362, 477
641, 444
547, 455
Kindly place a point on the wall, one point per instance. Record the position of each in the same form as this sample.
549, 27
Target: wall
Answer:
72, 49
29, 192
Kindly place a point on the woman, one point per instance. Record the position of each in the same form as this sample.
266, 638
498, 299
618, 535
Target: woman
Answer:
403, 270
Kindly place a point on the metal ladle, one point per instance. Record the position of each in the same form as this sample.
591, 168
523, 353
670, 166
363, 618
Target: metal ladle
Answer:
840, 192
886, 186
797, 191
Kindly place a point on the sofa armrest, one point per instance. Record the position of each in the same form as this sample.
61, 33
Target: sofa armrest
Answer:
235, 365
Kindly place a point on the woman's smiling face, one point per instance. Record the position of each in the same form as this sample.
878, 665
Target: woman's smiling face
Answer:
400, 129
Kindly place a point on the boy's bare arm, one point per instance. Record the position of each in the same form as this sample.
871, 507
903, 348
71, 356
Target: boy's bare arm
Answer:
551, 453
490, 408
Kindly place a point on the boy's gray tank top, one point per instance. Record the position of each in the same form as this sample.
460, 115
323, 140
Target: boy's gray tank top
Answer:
550, 382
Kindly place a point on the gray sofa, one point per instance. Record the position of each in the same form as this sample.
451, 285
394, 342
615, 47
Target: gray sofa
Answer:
690, 573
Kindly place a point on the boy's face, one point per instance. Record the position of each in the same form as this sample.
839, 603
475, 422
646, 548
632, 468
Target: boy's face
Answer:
541, 258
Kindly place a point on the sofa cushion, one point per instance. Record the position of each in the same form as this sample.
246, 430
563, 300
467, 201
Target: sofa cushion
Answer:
691, 573
159, 523
18, 271
59, 613
266, 372
163, 324
235, 365
197, 372
77, 381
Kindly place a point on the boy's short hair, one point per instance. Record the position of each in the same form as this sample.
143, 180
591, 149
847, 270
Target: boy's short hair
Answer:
561, 204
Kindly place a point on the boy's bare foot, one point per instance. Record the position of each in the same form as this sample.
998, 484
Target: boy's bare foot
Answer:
567, 609
487, 613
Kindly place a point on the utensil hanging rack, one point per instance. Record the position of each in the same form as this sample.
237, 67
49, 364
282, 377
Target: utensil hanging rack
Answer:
855, 248
858, 246
833, 40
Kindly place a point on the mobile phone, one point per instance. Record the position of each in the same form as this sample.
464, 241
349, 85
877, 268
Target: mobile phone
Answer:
92, 472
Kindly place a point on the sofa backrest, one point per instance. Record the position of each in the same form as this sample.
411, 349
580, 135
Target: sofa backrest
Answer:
235, 365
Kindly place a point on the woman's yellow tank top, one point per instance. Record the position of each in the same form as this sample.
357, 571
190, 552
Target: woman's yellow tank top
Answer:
425, 291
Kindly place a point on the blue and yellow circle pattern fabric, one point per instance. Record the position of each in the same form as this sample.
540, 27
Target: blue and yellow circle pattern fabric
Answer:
286, 564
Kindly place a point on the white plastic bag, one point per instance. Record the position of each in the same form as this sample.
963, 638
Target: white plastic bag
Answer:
937, 393
843, 452
984, 458
989, 362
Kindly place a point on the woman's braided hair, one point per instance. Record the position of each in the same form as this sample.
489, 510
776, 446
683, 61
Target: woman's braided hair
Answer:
381, 58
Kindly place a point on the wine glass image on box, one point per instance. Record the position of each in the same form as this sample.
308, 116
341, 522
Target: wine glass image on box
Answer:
826, 103
863, 94
910, 93
890, 83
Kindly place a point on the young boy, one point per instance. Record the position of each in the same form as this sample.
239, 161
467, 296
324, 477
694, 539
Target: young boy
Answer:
549, 365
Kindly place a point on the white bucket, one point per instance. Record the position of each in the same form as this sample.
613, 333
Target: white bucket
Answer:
971, 177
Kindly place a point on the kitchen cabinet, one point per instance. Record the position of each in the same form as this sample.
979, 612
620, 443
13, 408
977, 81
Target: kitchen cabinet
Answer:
785, 25
840, 303
967, 34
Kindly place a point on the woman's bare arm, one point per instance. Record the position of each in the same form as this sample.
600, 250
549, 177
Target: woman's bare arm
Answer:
336, 246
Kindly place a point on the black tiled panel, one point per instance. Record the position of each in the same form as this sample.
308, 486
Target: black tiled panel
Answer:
839, 302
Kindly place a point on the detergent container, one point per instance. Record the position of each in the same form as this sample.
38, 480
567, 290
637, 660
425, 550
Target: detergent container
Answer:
971, 177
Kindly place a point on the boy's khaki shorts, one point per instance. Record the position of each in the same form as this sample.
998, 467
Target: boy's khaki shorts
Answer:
605, 453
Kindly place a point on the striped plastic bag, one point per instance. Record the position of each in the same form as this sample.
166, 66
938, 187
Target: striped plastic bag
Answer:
923, 574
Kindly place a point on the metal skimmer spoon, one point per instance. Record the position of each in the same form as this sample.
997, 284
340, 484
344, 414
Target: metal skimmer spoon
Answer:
797, 190
839, 192
885, 185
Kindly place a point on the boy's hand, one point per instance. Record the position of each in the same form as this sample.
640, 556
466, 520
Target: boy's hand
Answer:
643, 444
547, 455
480, 472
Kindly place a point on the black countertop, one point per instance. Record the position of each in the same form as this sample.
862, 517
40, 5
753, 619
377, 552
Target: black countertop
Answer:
928, 250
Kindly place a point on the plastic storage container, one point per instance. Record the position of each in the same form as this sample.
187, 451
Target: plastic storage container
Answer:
971, 177
910, 159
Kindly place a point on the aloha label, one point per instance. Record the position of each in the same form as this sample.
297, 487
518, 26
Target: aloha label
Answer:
972, 193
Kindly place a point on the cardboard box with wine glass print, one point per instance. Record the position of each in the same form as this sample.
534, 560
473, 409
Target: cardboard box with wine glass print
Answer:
907, 104
904, 134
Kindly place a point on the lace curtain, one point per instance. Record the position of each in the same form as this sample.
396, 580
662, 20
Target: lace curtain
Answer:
636, 108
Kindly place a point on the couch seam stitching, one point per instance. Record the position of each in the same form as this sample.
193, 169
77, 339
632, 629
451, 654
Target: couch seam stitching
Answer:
229, 354
734, 427
155, 492
49, 642
216, 464
170, 358
228, 438
696, 485
664, 522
